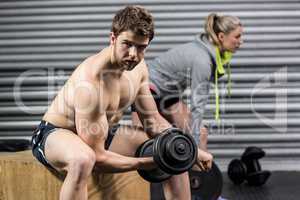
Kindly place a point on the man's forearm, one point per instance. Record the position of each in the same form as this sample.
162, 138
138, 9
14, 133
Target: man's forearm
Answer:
111, 162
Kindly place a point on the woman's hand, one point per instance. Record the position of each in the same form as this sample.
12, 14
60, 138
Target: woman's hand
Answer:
204, 161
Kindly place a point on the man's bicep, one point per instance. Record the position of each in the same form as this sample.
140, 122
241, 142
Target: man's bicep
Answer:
90, 120
91, 129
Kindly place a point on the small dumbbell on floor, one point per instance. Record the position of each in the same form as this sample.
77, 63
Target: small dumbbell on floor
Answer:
248, 168
173, 151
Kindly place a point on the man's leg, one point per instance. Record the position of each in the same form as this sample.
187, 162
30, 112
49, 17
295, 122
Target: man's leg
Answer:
179, 115
65, 151
127, 139
178, 186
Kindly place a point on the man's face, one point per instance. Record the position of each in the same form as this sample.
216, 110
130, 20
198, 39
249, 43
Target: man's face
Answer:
129, 49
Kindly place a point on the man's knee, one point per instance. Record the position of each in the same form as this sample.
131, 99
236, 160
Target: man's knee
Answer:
81, 164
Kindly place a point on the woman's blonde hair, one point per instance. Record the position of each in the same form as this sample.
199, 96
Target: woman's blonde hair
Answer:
215, 24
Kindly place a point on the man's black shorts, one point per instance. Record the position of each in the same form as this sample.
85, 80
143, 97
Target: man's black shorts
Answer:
44, 129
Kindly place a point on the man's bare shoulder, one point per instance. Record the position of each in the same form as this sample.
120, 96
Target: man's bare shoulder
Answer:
92, 66
84, 84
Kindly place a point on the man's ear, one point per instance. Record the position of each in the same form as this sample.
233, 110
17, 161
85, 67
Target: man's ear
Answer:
113, 38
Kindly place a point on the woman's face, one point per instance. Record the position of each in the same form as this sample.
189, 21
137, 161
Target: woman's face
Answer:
231, 41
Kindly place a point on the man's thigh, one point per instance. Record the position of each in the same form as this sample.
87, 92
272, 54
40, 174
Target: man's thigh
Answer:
61, 146
127, 139
178, 114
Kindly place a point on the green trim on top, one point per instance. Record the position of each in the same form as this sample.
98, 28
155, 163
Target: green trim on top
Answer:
221, 60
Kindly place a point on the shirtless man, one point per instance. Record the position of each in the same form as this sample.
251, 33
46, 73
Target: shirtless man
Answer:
79, 132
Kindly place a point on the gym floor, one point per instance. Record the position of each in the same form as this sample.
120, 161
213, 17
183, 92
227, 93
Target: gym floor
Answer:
282, 185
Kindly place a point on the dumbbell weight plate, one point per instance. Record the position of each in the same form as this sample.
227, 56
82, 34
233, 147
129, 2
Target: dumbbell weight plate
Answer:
206, 185
155, 175
237, 171
174, 151
258, 178
252, 153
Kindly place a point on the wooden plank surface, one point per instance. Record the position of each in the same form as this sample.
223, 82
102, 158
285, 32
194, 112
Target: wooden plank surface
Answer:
22, 177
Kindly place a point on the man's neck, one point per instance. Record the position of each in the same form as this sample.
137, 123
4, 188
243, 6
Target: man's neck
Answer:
113, 64
109, 68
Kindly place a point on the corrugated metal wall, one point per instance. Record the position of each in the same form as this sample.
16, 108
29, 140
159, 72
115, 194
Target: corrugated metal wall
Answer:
42, 41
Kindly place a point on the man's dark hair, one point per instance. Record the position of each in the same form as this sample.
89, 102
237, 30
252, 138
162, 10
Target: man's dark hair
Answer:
135, 19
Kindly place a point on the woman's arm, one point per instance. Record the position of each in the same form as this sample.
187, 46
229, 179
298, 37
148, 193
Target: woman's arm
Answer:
200, 85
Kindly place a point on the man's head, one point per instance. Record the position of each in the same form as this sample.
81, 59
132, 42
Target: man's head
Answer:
135, 19
132, 30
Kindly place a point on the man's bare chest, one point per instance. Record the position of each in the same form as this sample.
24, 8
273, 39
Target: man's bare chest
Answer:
121, 94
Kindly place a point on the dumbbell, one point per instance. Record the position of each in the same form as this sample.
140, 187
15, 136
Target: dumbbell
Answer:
248, 168
173, 151
206, 185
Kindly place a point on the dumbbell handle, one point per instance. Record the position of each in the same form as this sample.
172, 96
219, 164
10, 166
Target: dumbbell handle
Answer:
252, 166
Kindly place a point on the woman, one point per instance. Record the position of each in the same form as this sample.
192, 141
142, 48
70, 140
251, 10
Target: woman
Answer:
195, 64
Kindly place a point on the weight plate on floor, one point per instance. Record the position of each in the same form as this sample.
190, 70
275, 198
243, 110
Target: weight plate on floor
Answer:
206, 185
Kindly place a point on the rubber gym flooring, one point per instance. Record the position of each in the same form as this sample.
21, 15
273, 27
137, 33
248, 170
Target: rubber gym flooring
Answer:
282, 185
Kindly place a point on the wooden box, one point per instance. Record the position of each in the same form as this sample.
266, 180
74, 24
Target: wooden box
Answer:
22, 177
